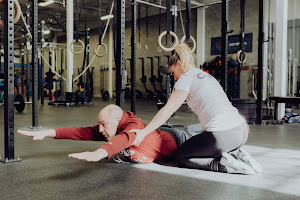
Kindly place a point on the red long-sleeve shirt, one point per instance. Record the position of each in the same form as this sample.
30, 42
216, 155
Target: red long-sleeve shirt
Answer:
157, 145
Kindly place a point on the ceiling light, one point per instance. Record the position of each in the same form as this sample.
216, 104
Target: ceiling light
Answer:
46, 3
46, 32
107, 17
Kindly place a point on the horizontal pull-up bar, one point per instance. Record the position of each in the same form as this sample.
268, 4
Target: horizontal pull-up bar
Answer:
151, 4
163, 7
202, 5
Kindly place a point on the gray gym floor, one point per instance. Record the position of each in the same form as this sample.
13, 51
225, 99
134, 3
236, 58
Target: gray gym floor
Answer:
46, 172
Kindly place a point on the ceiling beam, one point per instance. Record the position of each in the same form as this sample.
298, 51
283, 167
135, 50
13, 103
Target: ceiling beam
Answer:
194, 3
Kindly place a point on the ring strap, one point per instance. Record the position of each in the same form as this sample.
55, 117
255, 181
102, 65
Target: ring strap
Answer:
100, 24
139, 23
77, 21
188, 19
168, 16
159, 21
147, 21
242, 24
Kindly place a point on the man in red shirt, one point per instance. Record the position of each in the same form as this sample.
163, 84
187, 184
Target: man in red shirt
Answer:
114, 126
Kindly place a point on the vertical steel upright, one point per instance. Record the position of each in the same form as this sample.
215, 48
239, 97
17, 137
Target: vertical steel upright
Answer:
9, 80
260, 63
168, 19
88, 73
120, 51
0, 53
61, 82
27, 51
42, 61
224, 46
242, 37
133, 57
174, 29
188, 17
35, 63
50, 63
174, 12
22, 65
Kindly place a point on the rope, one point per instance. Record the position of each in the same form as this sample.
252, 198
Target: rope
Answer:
39, 52
112, 6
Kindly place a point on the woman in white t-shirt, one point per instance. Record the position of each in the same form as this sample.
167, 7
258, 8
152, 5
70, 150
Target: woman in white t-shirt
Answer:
225, 129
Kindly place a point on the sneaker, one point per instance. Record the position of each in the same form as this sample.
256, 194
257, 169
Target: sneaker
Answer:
244, 156
235, 166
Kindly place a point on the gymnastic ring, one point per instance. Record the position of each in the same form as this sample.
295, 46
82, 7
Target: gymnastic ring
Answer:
139, 46
238, 56
193, 40
77, 52
103, 54
17, 13
158, 49
161, 36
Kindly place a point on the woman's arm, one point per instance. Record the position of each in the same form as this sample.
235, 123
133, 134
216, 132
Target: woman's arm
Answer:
175, 101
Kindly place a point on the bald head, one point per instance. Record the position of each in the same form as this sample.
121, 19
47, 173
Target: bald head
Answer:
112, 111
108, 119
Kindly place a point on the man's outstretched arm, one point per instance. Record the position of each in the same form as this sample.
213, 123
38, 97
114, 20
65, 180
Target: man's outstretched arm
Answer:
51, 133
93, 156
74, 133
39, 135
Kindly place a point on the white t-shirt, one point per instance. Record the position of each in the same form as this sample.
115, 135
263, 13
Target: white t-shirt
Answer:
208, 101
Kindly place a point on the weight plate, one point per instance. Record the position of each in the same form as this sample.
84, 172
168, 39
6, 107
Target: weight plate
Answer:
20, 103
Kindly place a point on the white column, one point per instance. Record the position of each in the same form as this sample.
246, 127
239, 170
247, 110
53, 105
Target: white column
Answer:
110, 61
280, 70
70, 30
265, 55
295, 6
200, 36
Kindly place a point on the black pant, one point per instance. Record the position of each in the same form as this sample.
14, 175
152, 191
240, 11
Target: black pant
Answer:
198, 148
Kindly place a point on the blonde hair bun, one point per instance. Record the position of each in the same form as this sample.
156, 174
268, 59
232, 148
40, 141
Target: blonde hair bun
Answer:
185, 55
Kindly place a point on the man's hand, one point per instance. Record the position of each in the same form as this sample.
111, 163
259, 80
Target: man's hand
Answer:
90, 156
140, 135
39, 135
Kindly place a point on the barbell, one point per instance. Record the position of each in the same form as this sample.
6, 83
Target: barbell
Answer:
19, 103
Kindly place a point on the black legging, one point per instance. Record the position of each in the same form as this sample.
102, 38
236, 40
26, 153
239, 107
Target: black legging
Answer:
200, 150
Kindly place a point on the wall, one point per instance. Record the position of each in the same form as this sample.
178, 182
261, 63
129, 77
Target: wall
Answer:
152, 51
213, 29
293, 7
